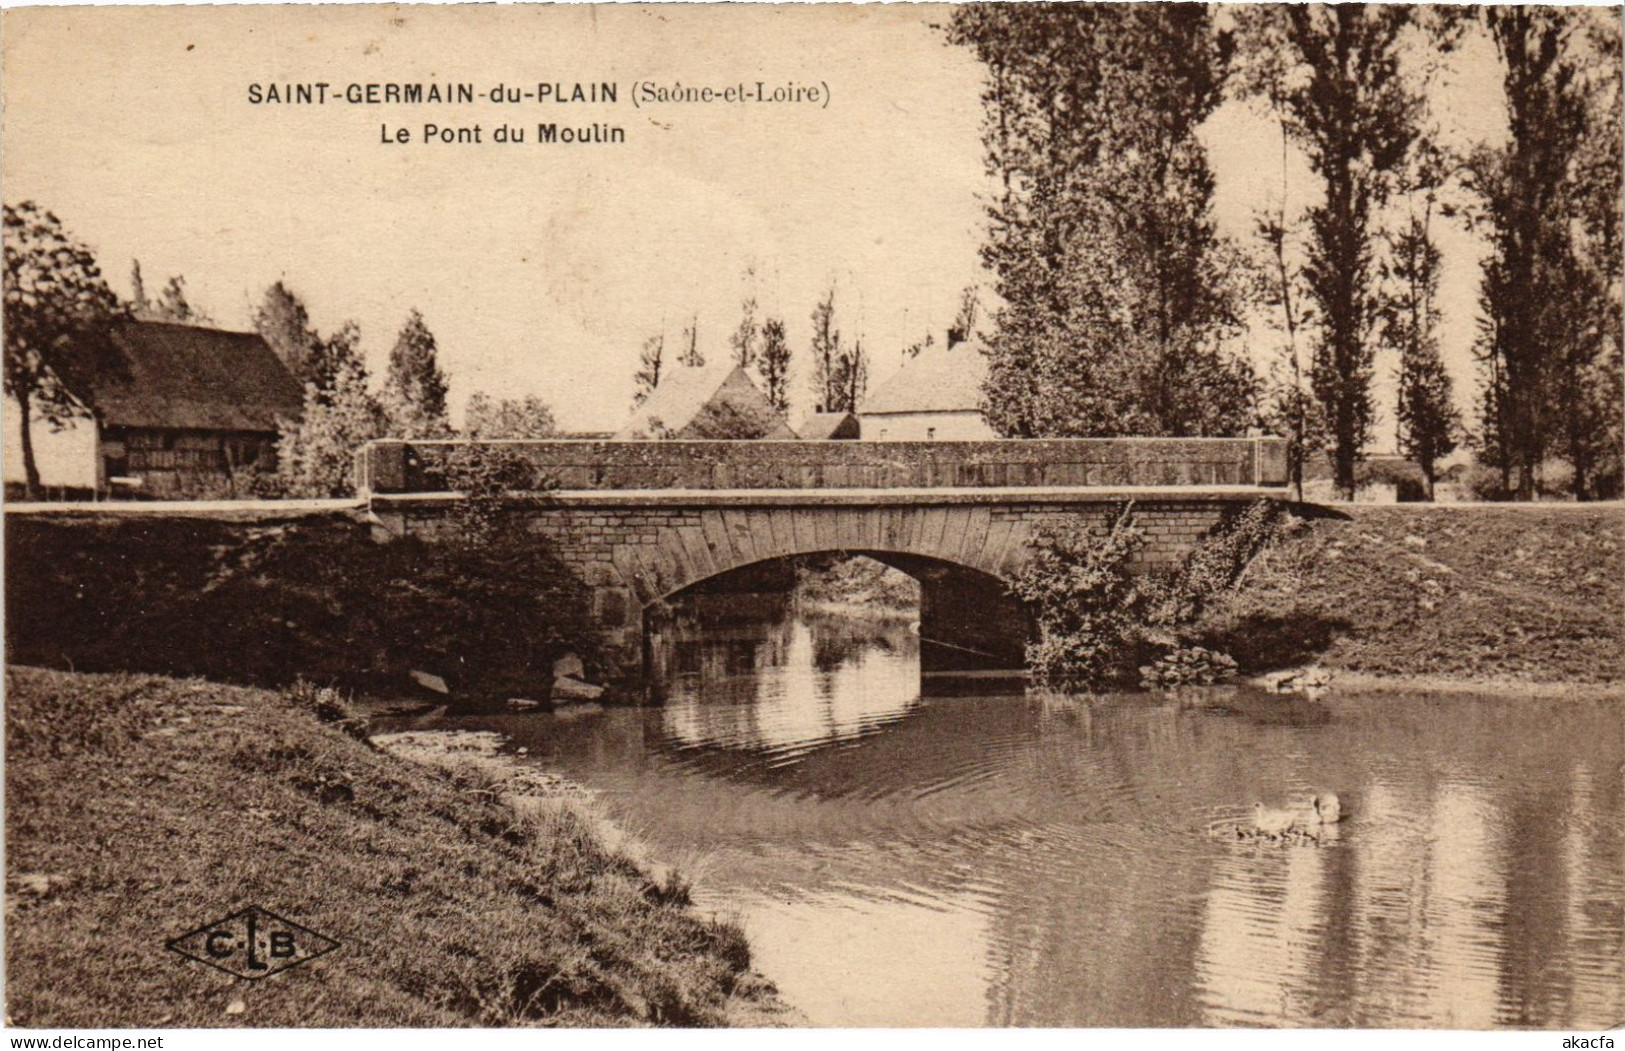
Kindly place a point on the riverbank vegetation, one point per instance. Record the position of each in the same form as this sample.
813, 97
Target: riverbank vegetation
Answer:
139, 808
1500, 594
266, 600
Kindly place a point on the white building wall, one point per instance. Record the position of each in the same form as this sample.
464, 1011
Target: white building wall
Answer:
966, 426
67, 457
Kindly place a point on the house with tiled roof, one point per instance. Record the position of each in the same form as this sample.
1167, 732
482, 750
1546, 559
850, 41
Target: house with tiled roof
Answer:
188, 412
935, 396
717, 401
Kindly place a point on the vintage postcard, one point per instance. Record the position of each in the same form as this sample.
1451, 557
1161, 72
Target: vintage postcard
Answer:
1072, 516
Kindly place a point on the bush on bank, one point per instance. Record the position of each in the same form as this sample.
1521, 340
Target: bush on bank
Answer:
1095, 615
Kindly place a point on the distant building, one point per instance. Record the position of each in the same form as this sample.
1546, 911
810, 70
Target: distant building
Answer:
828, 426
935, 396
191, 411
707, 402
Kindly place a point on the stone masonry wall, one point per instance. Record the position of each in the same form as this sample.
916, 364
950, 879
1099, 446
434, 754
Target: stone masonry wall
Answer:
633, 556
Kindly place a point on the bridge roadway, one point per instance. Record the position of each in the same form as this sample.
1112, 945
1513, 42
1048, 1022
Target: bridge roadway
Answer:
645, 521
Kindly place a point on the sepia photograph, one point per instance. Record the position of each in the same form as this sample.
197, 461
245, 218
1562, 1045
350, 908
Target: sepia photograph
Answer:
1016, 516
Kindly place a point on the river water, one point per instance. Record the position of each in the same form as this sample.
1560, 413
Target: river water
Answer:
1004, 858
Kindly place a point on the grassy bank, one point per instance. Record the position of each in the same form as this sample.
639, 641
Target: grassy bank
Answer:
1504, 594
263, 601
138, 808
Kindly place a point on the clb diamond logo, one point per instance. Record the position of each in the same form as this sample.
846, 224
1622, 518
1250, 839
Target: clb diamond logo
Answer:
253, 943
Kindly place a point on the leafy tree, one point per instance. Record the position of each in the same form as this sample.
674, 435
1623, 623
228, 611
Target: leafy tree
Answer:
650, 361
970, 307
1287, 406
334, 355
746, 339
850, 379
59, 315
527, 417
139, 303
1532, 292
826, 355
1332, 75
1117, 309
316, 453
283, 321
690, 356
1595, 432
415, 387
172, 305
773, 364
1428, 420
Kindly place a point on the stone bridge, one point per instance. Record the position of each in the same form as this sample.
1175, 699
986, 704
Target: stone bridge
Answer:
643, 522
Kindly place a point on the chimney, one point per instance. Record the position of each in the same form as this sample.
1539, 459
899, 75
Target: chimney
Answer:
955, 335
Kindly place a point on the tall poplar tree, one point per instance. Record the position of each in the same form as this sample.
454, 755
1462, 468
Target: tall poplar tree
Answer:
1427, 417
1332, 75
773, 364
1117, 305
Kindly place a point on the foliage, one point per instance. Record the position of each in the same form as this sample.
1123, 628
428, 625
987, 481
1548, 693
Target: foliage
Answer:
689, 355
1332, 74
59, 316
316, 453
283, 322
1287, 407
1117, 301
773, 364
826, 354
650, 361
1428, 421
850, 379
1179, 597
527, 417
745, 341
1548, 200
488, 476
1079, 588
317, 598
173, 305
414, 386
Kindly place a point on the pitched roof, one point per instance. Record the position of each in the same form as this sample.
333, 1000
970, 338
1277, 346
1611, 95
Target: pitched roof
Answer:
938, 379
182, 377
823, 426
707, 402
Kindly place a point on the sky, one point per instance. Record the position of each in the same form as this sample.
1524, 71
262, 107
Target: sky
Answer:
541, 269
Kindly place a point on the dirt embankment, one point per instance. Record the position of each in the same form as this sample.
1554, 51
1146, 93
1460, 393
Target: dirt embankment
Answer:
141, 808
1508, 594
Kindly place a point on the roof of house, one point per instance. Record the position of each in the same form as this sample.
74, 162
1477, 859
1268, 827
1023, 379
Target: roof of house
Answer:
182, 377
718, 401
938, 379
824, 426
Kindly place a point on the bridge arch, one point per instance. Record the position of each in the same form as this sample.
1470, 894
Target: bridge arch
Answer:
716, 542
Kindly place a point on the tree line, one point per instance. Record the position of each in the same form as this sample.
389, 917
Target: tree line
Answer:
759, 345
60, 315
1123, 310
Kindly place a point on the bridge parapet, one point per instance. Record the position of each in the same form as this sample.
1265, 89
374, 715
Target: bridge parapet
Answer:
399, 467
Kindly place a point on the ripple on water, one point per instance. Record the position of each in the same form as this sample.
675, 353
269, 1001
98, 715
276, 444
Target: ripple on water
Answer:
1045, 860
